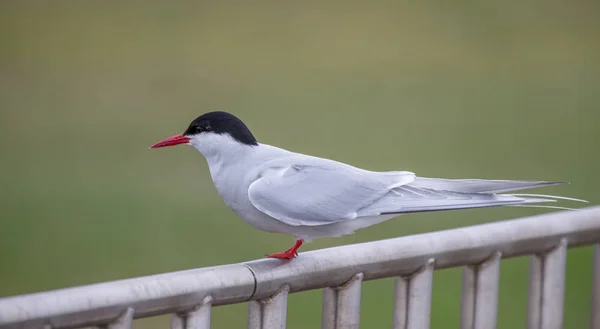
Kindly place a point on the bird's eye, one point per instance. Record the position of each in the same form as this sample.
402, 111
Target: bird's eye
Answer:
199, 129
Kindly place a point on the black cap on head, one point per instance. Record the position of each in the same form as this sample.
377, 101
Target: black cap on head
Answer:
220, 122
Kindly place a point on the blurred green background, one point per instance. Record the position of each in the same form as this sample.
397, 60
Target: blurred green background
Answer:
464, 89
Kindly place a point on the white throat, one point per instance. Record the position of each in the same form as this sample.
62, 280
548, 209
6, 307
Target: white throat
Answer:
219, 149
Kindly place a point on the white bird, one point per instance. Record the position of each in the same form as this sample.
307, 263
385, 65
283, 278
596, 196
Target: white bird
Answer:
279, 191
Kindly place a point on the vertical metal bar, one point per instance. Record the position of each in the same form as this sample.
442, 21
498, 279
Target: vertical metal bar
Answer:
547, 288
275, 310
595, 312
535, 292
329, 305
479, 303
177, 321
269, 313
486, 298
553, 287
199, 317
348, 304
419, 297
254, 315
467, 299
400, 303
124, 321
341, 305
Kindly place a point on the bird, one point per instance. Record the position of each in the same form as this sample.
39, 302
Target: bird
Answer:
308, 197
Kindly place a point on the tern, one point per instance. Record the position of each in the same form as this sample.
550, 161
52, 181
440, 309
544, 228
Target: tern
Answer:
280, 191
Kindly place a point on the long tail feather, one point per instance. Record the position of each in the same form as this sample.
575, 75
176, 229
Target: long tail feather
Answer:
478, 185
409, 198
549, 196
541, 206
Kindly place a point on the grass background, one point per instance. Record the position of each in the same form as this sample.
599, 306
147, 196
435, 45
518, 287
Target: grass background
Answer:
502, 90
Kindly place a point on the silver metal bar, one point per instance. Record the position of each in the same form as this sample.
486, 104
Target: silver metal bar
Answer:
595, 312
329, 308
275, 310
177, 321
98, 304
419, 297
546, 288
124, 321
450, 248
400, 303
479, 304
254, 315
167, 293
535, 292
486, 294
199, 317
348, 304
467, 299
269, 313
553, 287
341, 305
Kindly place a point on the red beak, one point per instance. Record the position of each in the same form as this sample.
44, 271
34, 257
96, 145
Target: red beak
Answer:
173, 140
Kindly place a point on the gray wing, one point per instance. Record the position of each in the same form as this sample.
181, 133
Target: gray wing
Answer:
319, 194
311, 192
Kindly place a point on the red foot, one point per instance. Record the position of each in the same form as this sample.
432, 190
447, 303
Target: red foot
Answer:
288, 254
283, 255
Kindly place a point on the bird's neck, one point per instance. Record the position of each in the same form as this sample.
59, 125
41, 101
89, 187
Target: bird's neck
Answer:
221, 149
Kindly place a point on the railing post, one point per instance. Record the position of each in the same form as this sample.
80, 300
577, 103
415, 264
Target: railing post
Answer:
341, 305
269, 313
197, 318
124, 321
547, 288
479, 303
177, 321
412, 301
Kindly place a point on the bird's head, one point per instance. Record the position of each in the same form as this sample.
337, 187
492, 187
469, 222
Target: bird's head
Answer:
212, 132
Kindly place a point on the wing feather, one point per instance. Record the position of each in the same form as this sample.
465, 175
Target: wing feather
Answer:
310, 195
307, 191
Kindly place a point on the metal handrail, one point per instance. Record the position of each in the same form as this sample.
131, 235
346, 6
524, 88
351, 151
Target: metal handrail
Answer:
411, 259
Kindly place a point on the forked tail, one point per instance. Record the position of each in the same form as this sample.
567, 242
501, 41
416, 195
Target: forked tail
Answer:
432, 194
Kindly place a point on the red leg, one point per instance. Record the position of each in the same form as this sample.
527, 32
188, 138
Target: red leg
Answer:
288, 254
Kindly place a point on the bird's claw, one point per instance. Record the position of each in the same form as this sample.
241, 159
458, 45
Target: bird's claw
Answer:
283, 255
288, 254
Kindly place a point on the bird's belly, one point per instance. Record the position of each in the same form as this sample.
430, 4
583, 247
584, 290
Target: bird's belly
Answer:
238, 201
262, 221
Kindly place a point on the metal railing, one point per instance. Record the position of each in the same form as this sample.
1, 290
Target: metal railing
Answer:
265, 284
